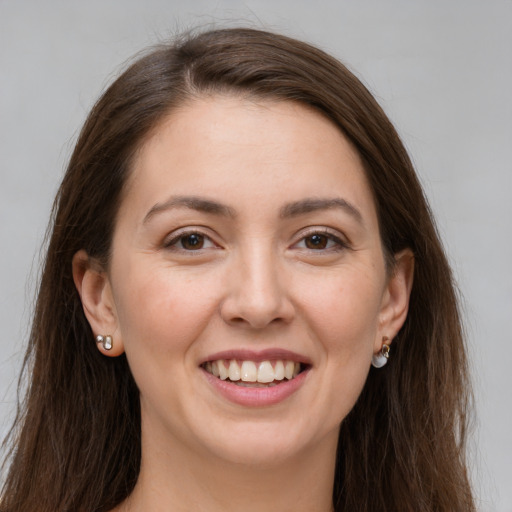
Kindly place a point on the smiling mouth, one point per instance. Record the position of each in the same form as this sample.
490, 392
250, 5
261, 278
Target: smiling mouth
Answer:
254, 374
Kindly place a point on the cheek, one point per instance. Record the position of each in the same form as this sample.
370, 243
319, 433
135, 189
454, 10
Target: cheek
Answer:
342, 312
161, 310
344, 308
344, 321
161, 315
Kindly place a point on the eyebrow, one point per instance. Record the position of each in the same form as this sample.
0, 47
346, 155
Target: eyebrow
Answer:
192, 203
294, 209
310, 205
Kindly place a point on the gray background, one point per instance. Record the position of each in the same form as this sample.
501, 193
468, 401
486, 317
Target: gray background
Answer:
442, 71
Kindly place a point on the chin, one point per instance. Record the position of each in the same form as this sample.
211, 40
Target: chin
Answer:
261, 454
263, 445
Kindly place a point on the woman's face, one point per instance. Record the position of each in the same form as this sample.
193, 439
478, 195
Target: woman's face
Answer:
247, 247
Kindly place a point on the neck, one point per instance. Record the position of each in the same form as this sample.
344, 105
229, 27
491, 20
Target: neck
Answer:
181, 480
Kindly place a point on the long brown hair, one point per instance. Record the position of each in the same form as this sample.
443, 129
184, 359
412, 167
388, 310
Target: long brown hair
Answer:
76, 439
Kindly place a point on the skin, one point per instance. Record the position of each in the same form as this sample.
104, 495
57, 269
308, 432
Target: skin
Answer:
258, 282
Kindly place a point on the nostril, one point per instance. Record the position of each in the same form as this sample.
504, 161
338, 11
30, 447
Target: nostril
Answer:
255, 323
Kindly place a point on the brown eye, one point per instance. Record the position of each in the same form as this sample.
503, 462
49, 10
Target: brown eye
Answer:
192, 241
189, 242
316, 241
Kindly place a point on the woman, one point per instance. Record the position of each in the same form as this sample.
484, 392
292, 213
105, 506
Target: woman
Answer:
239, 237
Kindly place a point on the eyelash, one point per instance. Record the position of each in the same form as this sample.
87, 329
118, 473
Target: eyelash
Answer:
172, 244
339, 244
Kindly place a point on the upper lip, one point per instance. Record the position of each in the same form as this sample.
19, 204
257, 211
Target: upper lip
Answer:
270, 354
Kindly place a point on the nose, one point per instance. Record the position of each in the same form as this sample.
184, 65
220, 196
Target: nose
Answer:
256, 293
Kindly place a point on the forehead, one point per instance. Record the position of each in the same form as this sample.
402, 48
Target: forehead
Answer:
243, 151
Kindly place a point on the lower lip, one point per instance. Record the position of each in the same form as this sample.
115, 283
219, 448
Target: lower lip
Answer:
256, 397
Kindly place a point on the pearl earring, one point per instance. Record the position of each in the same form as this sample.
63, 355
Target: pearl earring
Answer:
380, 359
106, 341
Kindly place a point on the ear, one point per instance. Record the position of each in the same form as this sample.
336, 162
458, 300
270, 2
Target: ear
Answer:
95, 292
395, 300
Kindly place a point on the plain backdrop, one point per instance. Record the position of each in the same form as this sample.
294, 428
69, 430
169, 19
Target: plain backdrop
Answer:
442, 70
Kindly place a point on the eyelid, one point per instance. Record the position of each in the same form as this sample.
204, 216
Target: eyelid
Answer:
173, 238
333, 235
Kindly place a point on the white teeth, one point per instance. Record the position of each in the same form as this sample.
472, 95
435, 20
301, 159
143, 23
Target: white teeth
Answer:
289, 367
223, 372
250, 372
265, 372
234, 371
279, 370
